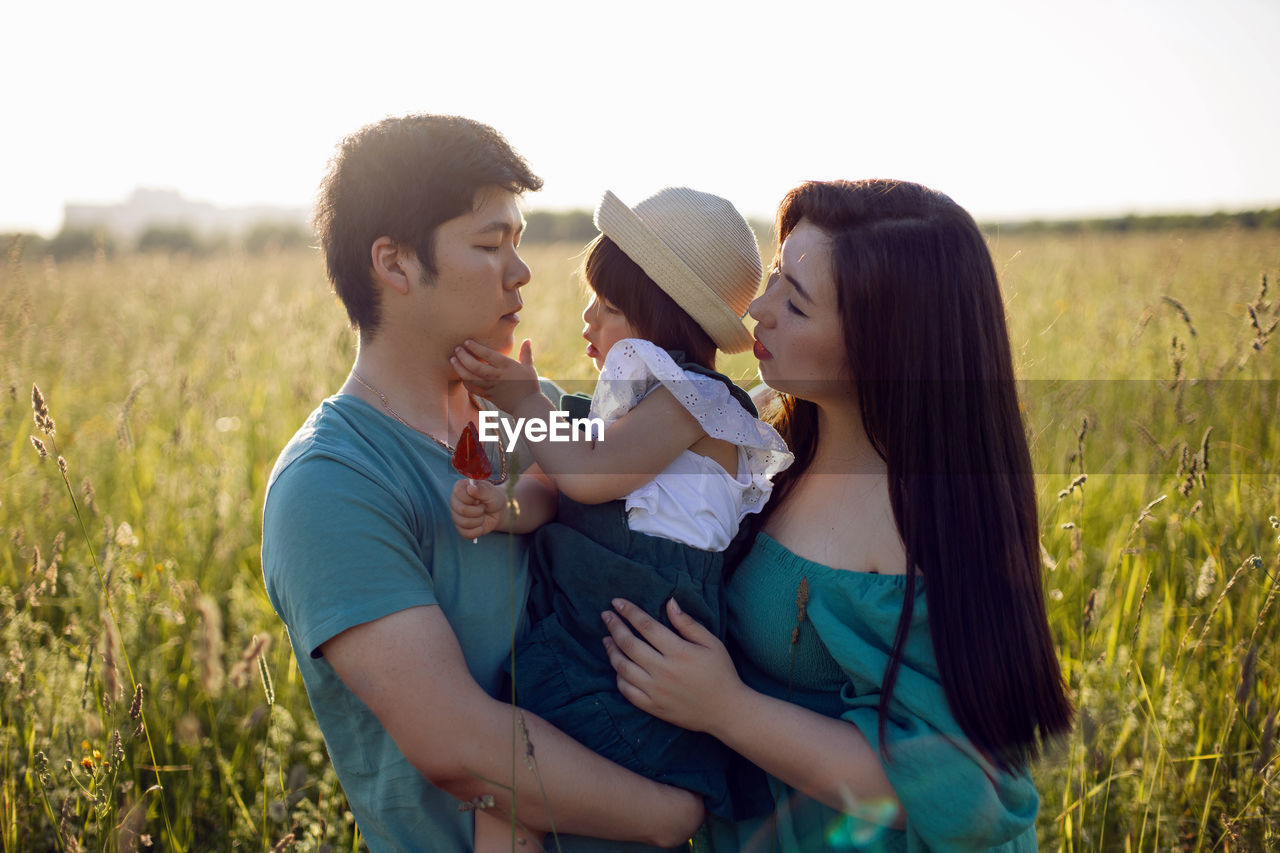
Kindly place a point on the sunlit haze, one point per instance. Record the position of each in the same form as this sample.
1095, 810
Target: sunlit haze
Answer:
1014, 109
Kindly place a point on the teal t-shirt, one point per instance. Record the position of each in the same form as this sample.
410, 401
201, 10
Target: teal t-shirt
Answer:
356, 527
954, 798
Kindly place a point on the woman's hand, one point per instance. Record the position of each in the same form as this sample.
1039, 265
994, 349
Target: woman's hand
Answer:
489, 374
690, 682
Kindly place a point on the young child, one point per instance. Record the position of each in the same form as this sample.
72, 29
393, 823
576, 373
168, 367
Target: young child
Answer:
648, 511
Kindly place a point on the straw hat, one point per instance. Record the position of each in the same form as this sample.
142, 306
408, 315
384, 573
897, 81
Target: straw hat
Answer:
697, 248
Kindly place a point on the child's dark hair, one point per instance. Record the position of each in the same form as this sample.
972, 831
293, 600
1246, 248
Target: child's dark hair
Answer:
651, 312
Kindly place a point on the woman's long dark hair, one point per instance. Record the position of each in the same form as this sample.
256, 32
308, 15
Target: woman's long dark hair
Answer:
929, 353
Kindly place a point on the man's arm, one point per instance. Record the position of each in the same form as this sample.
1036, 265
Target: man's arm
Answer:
408, 668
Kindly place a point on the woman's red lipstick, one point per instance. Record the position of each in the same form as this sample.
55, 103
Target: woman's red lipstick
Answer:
760, 352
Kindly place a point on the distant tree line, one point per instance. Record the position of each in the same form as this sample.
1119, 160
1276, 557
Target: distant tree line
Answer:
577, 226
1251, 219
70, 243
546, 226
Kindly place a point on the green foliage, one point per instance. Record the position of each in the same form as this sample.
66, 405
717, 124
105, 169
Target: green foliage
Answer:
18, 245
1251, 219
173, 382
552, 226
72, 243
577, 226
276, 237
169, 238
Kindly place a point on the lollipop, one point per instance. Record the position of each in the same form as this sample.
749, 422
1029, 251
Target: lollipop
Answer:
468, 459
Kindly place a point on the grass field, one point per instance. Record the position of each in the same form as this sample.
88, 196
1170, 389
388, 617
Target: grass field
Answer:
147, 691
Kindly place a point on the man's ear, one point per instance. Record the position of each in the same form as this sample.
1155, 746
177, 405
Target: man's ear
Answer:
393, 264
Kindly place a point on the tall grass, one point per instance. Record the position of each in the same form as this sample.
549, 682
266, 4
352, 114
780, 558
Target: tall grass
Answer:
172, 383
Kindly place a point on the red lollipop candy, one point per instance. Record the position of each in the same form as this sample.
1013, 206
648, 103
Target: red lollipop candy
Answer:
469, 459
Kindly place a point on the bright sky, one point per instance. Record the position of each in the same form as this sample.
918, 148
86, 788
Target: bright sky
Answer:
1013, 108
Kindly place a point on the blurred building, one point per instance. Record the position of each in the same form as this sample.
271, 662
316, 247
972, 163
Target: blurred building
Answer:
147, 208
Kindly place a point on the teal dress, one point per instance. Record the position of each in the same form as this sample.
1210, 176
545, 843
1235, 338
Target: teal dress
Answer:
954, 798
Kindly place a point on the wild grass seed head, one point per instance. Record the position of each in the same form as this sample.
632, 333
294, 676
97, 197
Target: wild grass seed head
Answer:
802, 608
123, 435
1077, 483
1089, 608
284, 843
43, 777
529, 759
1266, 745
1202, 458
1182, 312
110, 655
1147, 513
125, 537
212, 673
40, 411
267, 686
86, 489
1177, 356
1248, 563
65, 831
1248, 675
240, 673
135, 707
40, 448
115, 748
1050, 563
1189, 471
1207, 577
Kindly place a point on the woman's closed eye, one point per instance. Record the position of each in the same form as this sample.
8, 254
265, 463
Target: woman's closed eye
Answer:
791, 306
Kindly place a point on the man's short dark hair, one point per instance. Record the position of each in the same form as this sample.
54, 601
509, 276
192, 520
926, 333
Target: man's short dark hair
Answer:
401, 178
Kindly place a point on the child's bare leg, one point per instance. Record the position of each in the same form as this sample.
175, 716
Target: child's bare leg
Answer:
493, 835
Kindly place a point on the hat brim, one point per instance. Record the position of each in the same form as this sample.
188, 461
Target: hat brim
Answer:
621, 225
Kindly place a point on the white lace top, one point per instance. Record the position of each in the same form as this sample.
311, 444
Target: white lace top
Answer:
694, 500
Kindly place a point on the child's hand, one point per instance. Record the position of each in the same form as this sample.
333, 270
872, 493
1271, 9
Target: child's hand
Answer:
490, 374
477, 507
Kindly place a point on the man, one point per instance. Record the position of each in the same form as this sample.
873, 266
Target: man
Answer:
399, 626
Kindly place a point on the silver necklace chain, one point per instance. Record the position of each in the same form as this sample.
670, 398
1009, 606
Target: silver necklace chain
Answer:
386, 405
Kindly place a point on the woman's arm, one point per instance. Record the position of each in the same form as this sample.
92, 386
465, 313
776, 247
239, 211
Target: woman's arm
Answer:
408, 669
635, 448
692, 683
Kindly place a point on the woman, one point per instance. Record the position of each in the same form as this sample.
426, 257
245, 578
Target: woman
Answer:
895, 581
